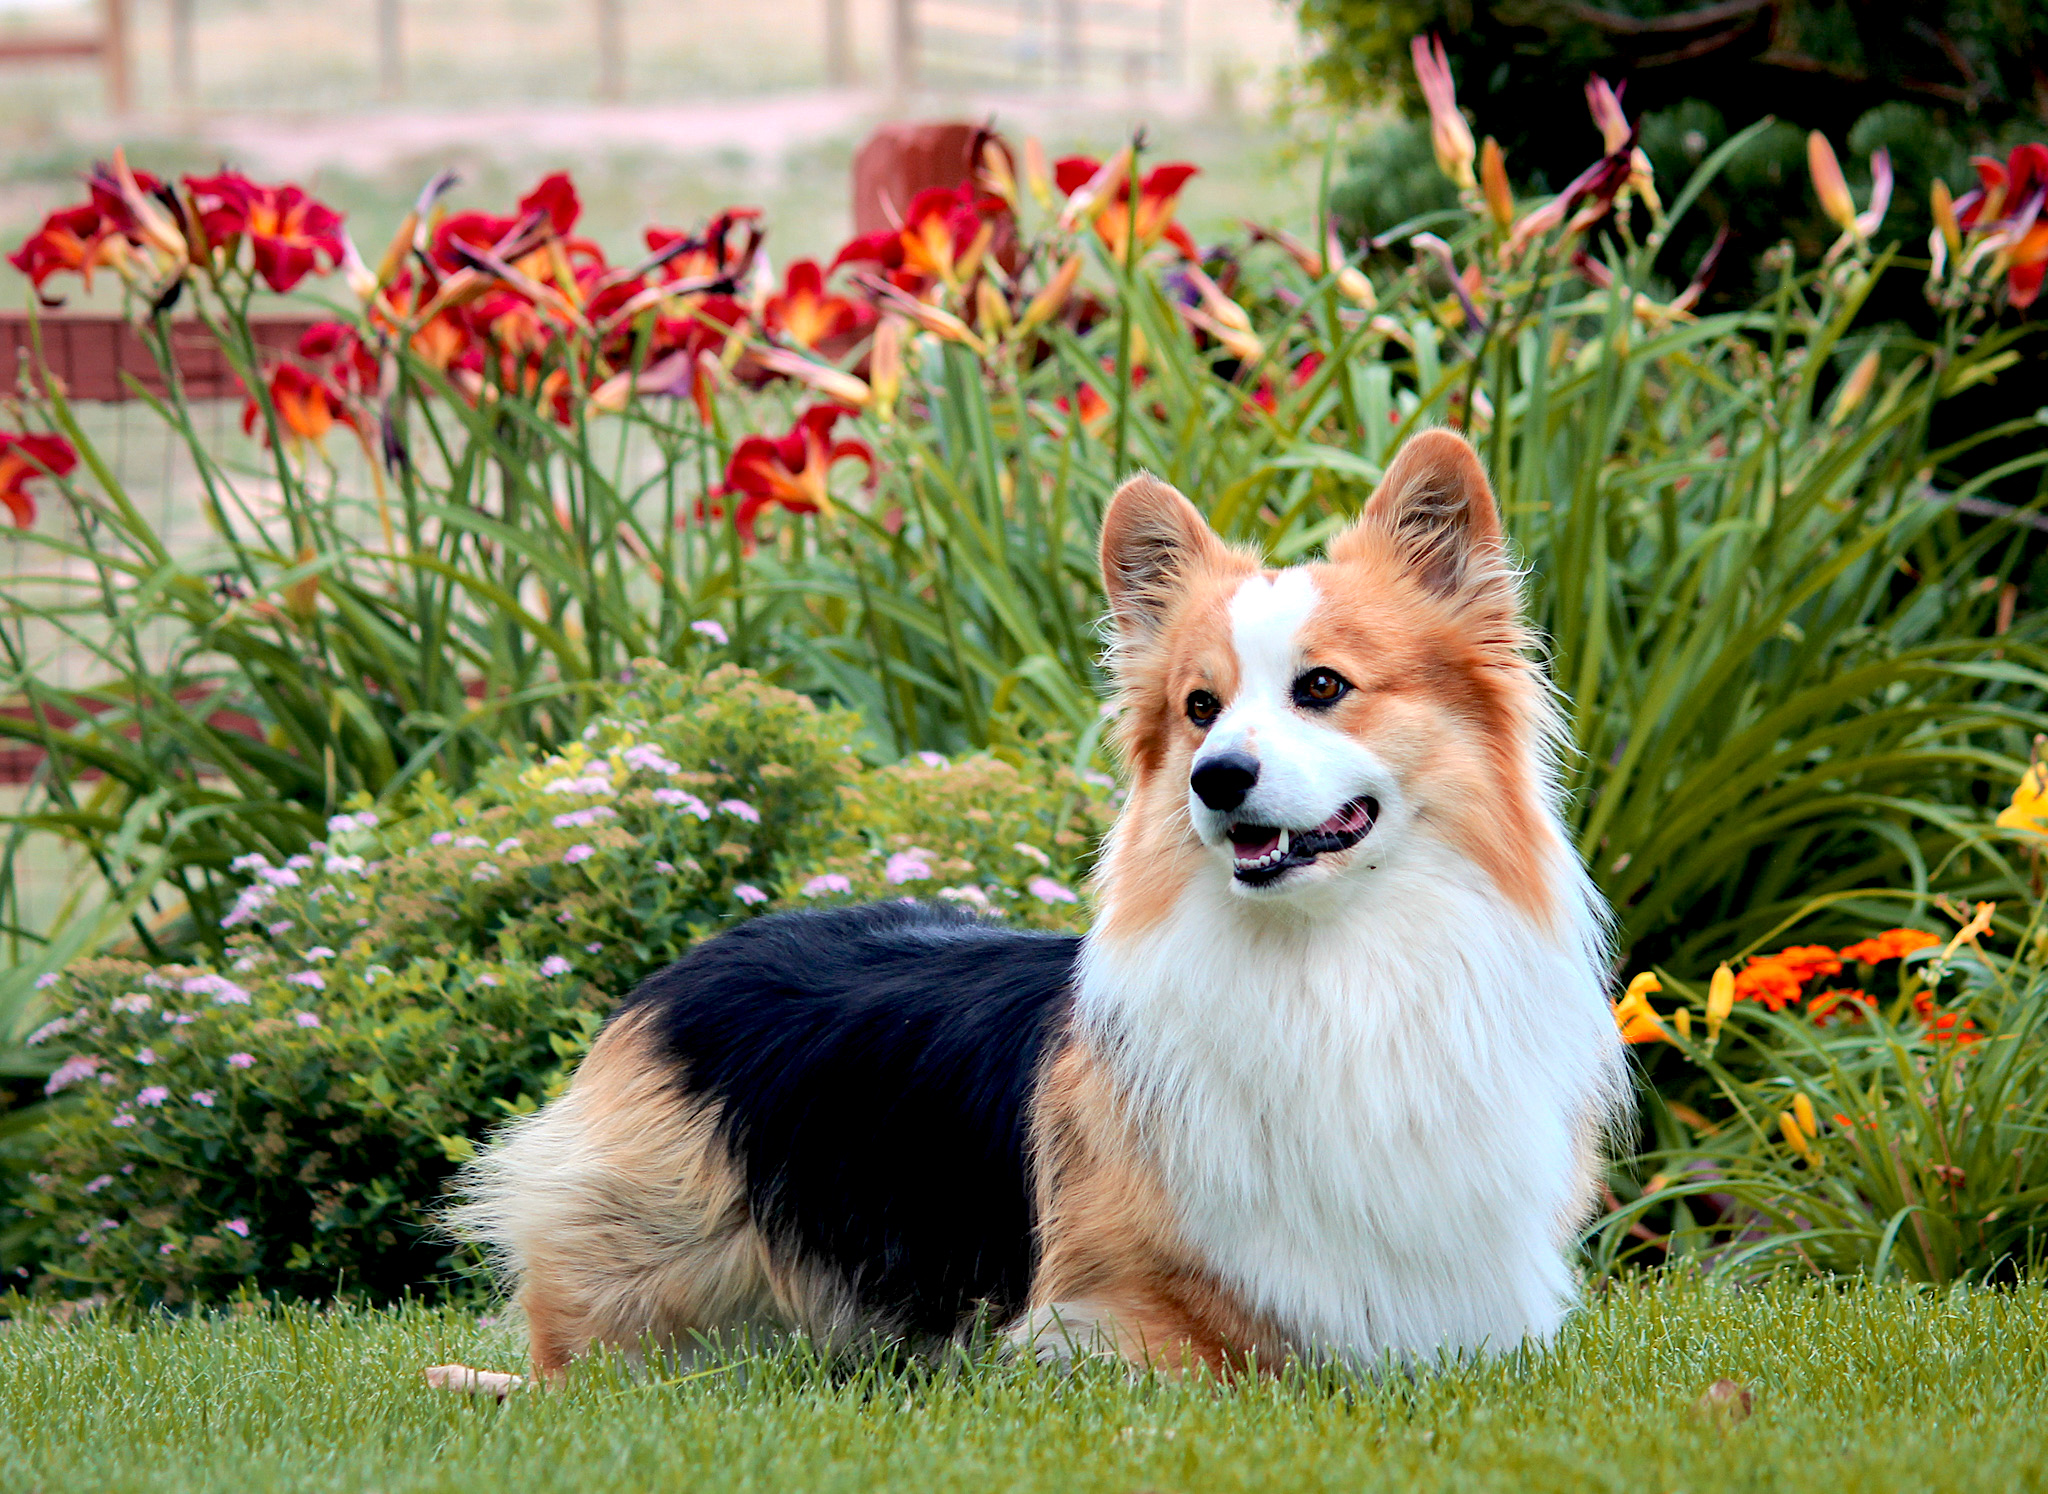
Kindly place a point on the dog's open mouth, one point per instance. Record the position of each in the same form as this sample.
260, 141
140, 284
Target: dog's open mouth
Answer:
1263, 853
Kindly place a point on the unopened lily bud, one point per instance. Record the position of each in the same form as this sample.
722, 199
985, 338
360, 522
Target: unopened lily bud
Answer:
1828, 183
1945, 217
1351, 281
1682, 1020
1855, 389
1493, 179
1449, 136
1049, 302
1795, 1138
829, 381
996, 174
1720, 1000
885, 363
1037, 180
303, 593
991, 310
1802, 1111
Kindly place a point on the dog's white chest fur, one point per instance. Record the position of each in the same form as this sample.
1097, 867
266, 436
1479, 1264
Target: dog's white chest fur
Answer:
1373, 1128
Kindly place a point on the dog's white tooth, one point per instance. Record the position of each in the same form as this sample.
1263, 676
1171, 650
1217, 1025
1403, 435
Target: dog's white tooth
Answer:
1281, 849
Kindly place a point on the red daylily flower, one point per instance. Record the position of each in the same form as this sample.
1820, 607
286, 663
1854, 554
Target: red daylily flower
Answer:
1265, 398
307, 407
80, 239
790, 470
724, 251
804, 314
24, 457
337, 344
2009, 198
944, 234
290, 235
72, 239
1158, 195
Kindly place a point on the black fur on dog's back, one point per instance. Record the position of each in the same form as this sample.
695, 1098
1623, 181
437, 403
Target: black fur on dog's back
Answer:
872, 1068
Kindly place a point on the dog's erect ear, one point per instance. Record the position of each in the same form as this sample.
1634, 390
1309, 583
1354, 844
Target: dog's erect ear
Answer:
1150, 536
1437, 506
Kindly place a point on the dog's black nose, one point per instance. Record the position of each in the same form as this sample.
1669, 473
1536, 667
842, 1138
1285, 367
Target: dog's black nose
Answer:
1221, 782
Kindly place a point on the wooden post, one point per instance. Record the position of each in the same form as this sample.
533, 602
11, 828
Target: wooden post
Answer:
390, 50
903, 46
1066, 43
611, 51
838, 45
182, 83
114, 54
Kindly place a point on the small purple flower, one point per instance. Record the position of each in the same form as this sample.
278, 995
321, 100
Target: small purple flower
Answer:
749, 894
319, 952
740, 809
104, 1180
932, 759
818, 886
70, 1071
440, 837
179, 1019
237, 1227
907, 866
47, 979
121, 1121
711, 630
666, 868
166, 1248
648, 759
306, 1019
55, 1027
488, 980
223, 991
241, 1060
203, 1098
312, 980
593, 948
555, 965
279, 876
145, 1056
583, 819
675, 798
135, 1001
152, 1094
1046, 890
577, 853
484, 872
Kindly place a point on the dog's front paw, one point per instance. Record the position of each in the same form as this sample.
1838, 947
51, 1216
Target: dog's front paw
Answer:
1060, 1333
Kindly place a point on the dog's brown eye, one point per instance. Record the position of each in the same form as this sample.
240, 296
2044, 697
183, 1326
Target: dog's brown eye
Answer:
1321, 687
1203, 707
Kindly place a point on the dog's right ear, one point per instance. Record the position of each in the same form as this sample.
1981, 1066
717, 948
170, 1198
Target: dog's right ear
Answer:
1151, 537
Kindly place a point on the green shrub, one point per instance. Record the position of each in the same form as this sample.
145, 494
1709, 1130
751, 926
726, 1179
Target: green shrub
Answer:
284, 1124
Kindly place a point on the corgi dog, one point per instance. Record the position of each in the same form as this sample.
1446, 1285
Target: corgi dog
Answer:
1329, 1079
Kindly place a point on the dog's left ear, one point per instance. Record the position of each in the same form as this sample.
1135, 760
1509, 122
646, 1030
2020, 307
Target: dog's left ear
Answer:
1437, 507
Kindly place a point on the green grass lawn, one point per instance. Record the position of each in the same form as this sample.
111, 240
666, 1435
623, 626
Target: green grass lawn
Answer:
1854, 1388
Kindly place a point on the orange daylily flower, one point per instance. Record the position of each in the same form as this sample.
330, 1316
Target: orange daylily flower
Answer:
945, 232
307, 407
802, 312
1158, 195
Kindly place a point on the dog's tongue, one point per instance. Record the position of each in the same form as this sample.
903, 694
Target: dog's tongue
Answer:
1251, 842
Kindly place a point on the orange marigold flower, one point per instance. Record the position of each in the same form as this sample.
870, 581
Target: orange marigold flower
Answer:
1808, 960
1839, 1006
1768, 980
1890, 945
1944, 1027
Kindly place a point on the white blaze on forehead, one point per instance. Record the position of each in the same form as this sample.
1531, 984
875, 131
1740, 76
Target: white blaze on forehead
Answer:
1266, 615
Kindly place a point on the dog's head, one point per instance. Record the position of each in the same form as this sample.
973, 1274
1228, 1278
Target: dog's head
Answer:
1298, 733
